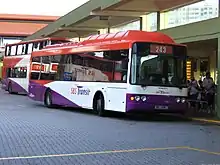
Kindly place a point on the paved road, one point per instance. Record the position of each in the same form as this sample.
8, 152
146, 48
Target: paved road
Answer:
33, 134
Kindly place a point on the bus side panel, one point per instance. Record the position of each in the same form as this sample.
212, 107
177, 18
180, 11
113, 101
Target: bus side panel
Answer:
158, 99
36, 90
18, 84
74, 94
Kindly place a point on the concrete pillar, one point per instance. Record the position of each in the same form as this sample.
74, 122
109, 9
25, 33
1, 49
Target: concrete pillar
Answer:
1, 41
217, 102
158, 21
108, 30
163, 20
219, 8
144, 23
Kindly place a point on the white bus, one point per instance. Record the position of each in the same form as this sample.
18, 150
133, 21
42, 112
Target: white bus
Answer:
132, 71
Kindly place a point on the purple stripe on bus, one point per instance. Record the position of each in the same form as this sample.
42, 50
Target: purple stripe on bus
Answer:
58, 99
152, 101
15, 86
37, 93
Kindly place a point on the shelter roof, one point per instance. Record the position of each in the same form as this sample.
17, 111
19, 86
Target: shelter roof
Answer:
19, 29
96, 14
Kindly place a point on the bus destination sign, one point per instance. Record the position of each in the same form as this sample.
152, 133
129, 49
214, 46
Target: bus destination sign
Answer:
161, 49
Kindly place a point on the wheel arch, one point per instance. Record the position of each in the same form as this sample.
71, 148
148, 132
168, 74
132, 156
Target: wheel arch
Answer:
44, 95
96, 95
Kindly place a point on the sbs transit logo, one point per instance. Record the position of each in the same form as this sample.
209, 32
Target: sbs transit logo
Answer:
80, 90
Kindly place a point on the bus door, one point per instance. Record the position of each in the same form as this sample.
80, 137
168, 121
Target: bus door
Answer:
116, 92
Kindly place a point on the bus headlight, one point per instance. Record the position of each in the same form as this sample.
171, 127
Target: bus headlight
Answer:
137, 98
183, 100
143, 98
178, 100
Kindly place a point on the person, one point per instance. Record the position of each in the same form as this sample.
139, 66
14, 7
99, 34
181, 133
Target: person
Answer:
209, 87
193, 91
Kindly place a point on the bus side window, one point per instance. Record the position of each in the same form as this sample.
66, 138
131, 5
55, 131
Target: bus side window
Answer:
120, 59
48, 72
36, 46
19, 51
35, 68
8, 72
8, 52
13, 50
60, 75
22, 72
30, 48
42, 44
24, 48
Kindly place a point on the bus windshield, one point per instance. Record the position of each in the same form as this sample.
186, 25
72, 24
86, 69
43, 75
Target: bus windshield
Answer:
158, 65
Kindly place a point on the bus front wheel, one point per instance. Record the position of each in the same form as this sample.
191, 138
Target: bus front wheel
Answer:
48, 99
99, 105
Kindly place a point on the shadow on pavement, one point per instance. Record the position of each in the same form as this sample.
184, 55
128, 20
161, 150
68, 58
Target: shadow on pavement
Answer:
122, 116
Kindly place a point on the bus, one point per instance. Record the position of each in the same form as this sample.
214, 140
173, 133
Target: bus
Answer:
2, 50
16, 62
130, 71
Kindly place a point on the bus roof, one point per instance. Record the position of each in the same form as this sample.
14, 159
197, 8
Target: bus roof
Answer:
110, 41
61, 45
39, 40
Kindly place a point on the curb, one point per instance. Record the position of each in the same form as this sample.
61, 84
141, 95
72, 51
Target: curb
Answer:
216, 122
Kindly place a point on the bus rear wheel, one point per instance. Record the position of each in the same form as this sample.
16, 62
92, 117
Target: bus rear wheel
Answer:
99, 105
10, 88
48, 99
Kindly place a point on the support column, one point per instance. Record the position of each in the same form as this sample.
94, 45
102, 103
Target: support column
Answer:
144, 23
218, 8
141, 23
158, 20
108, 30
217, 102
1, 41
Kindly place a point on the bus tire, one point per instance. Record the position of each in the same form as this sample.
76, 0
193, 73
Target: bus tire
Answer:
48, 99
10, 91
99, 104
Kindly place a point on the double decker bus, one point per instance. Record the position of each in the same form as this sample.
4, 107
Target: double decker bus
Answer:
131, 71
2, 50
16, 62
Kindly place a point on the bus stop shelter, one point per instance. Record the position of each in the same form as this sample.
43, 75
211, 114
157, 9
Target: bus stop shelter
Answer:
95, 15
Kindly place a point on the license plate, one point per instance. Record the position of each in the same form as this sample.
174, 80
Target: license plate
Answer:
161, 107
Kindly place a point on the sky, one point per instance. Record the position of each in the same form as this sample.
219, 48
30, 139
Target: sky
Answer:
40, 7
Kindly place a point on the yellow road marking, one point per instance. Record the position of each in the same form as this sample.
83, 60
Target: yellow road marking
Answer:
202, 150
206, 120
92, 153
110, 152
